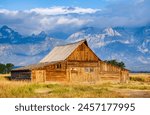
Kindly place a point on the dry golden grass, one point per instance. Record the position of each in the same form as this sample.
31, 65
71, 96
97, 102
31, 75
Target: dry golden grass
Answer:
4, 75
28, 89
144, 77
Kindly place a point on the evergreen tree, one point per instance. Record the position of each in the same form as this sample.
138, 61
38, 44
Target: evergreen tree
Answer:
2, 68
9, 67
6, 68
115, 63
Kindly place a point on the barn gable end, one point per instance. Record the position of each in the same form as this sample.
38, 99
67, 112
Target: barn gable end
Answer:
82, 53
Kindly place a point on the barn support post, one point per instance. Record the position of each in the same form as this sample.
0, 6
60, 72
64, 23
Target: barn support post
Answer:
68, 74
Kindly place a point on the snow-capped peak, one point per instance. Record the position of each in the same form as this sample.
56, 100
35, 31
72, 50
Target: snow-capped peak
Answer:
110, 32
76, 35
95, 34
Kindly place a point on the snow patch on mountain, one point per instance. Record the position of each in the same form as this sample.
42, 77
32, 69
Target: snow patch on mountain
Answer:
97, 39
111, 32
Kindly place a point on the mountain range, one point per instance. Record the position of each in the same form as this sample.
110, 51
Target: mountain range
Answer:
128, 44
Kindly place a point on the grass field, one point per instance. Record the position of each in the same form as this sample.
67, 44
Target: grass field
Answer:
138, 86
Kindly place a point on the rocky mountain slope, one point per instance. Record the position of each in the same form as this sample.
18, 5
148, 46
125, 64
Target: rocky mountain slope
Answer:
130, 45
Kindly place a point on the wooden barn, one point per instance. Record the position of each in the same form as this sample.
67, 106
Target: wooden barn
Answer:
74, 62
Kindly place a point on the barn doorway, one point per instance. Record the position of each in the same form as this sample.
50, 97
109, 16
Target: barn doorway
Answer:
40, 75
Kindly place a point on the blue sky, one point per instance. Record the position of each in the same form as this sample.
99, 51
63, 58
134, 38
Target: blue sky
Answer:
34, 16
28, 4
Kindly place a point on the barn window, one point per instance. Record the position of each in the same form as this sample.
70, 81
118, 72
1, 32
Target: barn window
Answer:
91, 70
58, 66
88, 69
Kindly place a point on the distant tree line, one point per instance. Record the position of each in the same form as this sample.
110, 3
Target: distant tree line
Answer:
6, 68
116, 63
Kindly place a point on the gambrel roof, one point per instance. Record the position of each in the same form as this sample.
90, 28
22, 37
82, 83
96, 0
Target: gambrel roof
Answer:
60, 53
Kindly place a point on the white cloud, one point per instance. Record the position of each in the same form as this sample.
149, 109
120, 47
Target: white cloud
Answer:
143, 60
46, 19
59, 10
144, 47
8, 12
62, 10
143, 50
125, 41
76, 21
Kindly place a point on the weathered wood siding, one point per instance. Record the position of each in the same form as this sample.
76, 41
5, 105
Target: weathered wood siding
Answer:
53, 72
39, 75
84, 66
82, 71
124, 76
109, 72
83, 53
21, 75
95, 72
56, 72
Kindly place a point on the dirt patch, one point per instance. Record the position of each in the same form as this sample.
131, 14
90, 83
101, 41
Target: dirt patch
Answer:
135, 93
43, 91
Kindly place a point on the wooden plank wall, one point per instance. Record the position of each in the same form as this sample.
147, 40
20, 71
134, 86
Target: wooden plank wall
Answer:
33, 75
83, 53
39, 75
109, 72
101, 71
56, 72
83, 57
21, 75
80, 74
82, 71
124, 76
53, 72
